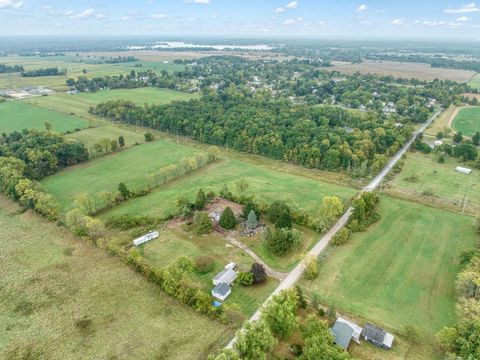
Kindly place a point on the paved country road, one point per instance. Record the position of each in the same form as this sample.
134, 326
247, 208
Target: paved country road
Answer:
295, 275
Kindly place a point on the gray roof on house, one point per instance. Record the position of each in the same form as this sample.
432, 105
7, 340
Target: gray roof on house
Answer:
342, 332
222, 289
374, 332
221, 274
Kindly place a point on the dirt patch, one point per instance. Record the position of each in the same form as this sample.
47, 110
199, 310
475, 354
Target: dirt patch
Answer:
175, 223
406, 70
218, 204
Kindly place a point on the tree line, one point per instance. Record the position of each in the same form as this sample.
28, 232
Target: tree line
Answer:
5, 68
54, 71
329, 138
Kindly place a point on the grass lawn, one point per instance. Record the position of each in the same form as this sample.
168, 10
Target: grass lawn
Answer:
51, 281
402, 270
441, 123
475, 82
105, 173
438, 181
174, 243
467, 121
93, 135
265, 183
79, 104
15, 115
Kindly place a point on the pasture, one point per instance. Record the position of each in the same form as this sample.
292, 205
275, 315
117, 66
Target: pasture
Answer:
265, 183
93, 135
475, 82
105, 173
442, 122
406, 70
79, 104
63, 299
422, 176
467, 121
402, 270
16, 115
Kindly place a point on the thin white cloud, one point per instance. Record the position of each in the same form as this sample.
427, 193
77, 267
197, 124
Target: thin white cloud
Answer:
463, 19
361, 8
158, 16
204, 2
467, 8
11, 4
292, 5
443, 23
399, 21
100, 16
80, 15
293, 21
279, 10
322, 23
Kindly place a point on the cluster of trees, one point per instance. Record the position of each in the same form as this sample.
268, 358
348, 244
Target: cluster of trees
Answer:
364, 212
43, 152
462, 340
282, 237
106, 145
329, 138
44, 72
92, 204
5, 68
256, 275
109, 60
278, 321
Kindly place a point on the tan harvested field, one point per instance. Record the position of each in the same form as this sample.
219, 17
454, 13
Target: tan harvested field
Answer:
443, 122
407, 70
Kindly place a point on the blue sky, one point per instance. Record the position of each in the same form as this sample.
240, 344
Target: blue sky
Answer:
243, 18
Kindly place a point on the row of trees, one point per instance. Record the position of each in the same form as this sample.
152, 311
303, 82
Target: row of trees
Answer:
5, 68
462, 340
44, 72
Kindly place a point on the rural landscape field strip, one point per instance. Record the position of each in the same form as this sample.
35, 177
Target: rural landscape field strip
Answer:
57, 289
467, 121
129, 166
264, 184
15, 116
402, 270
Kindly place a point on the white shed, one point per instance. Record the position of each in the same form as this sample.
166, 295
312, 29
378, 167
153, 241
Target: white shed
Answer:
463, 170
147, 237
227, 276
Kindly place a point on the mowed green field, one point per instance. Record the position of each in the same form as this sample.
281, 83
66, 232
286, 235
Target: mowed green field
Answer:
93, 135
63, 299
423, 174
475, 82
105, 173
402, 270
16, 115
79, 104
264, 183
467, 121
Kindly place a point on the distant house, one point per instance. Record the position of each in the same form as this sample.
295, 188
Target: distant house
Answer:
463, 170
221, 291
438, 143
143, 239
227, 276
377, 336
344, 331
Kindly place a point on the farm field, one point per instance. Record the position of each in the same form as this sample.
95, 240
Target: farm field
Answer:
93, 135
79, 104
422, 175
15, 115
441, 123
105, 173
84, 304
174, 243
265, 183
74, 70
467, 121
475, 82
402, 270
407, 70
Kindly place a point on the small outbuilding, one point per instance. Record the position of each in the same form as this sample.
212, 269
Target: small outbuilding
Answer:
344, 331
377, 336
147, 237
463, 170
221, 291
227, 276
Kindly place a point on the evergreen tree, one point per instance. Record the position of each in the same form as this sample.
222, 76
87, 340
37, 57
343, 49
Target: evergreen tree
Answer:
121, 141
228, 220
122, 188
476, 139
202, 223
252, 220
200, 200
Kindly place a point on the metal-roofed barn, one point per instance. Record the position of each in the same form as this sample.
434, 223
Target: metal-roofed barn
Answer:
377, 336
